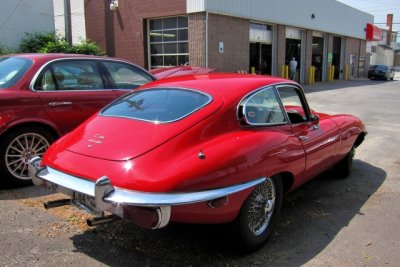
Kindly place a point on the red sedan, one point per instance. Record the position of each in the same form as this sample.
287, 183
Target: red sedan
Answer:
43, 96
220, 148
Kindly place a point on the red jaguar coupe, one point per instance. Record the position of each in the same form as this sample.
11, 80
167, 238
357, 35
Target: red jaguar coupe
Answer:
217, 148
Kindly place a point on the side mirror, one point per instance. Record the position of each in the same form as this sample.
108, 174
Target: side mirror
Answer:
315, 118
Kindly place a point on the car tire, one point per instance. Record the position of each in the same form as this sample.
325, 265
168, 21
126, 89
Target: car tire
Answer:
258, 215
343, 168
16, 149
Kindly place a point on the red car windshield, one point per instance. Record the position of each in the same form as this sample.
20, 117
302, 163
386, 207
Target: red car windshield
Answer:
157, 105
12, 69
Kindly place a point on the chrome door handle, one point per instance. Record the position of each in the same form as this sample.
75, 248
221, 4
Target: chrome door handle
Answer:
56, 104
303, 138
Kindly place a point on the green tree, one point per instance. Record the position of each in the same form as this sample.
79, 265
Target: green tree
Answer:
4, 50
34, 42
52, 43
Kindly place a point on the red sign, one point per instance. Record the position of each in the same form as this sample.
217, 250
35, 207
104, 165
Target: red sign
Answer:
373, 33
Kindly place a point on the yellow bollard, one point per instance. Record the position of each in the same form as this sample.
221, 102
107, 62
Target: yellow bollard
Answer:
253, 70
312, 75
333, 73
330, 73
346, 72
282, 71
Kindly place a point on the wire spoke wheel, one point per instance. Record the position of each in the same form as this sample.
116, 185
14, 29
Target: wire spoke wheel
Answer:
258, 215
261, 207
21, 149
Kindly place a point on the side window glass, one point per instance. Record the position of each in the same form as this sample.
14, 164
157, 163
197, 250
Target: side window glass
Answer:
292, 103
126, 76
45, 81
77, 75
263, 108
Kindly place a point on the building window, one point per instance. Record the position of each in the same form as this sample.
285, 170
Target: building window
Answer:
168, 42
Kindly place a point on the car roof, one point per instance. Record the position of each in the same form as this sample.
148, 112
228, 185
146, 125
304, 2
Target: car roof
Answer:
52, 55
380, 65
45, 57
229, 86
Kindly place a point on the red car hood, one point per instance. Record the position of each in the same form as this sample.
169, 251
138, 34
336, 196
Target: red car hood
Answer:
114, 138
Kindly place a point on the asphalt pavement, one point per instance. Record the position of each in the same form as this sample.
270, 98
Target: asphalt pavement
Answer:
328, 221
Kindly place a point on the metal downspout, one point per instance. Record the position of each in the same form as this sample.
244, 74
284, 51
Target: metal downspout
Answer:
206, 39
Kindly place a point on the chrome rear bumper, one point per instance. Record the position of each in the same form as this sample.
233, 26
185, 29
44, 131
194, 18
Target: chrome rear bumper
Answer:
106, 197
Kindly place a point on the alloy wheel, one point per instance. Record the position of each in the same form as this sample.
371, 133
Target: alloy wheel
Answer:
21, 150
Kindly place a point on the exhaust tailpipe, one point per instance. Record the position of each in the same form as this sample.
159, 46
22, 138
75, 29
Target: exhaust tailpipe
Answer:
56, 203
102, 220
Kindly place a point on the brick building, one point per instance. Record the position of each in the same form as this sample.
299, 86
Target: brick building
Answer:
234, 35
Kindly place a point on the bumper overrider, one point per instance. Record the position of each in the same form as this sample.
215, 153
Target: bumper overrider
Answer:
149, 210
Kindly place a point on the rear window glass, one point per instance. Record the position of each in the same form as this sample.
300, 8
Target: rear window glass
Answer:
379, 67
12, 69
157, 105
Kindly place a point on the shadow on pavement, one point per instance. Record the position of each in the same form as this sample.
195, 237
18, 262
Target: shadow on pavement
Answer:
311, 218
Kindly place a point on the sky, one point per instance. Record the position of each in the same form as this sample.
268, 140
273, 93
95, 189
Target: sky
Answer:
379, 9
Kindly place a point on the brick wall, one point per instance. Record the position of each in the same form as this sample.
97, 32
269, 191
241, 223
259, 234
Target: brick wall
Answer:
197, 39
281, 48
308, 56
234, 33
121, 33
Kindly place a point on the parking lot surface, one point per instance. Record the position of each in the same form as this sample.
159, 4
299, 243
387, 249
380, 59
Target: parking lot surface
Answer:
328, 221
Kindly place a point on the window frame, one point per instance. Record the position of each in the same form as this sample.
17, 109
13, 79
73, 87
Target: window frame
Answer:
49, 66
139, 71
243, 102
107, 80
162, 42
241, 116
301, 95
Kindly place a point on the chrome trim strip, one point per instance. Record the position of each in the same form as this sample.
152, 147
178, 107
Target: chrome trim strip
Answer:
247, 98
131, 197
55, 179
275, 87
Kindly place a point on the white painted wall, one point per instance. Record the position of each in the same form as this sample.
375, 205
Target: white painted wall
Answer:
330, 16
78, 27
59, 21
20, 16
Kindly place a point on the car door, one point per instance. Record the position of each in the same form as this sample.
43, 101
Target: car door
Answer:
320, 137
71, 91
